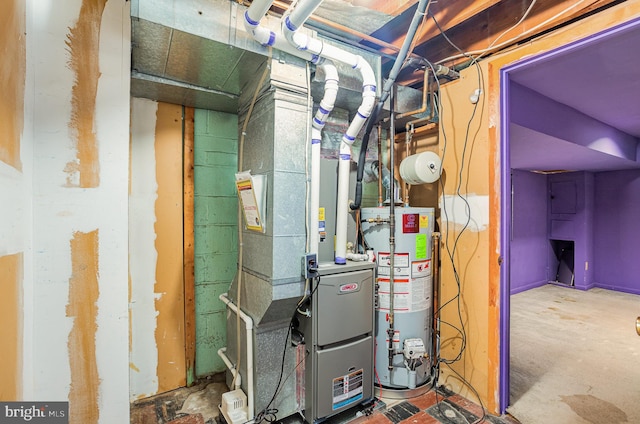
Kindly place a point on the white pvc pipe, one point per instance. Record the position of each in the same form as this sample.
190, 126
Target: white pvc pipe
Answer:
362, 257
312, 49
344, 169
267, 37
319, 121
317, 47
222, 353
249, 330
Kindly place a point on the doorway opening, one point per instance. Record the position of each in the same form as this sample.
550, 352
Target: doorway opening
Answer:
569, 125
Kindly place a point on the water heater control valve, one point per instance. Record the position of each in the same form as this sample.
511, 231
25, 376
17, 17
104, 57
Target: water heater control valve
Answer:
414, 349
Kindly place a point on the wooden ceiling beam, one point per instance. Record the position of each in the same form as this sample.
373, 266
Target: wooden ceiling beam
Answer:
390, 7
448, 14
479, 32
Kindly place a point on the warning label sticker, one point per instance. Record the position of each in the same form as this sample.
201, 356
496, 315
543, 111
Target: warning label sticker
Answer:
400, 260
421, 269
409, 295
348, 389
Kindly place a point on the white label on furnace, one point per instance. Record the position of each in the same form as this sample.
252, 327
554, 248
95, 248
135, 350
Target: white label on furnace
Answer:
348, 389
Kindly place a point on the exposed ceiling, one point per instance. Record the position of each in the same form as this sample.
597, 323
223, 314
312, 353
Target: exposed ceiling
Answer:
472, 25
202, 68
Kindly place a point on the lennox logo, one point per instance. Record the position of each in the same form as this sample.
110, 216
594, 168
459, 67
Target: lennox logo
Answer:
36, 412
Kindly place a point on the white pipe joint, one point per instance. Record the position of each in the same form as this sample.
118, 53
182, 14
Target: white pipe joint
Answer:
248, 321
319, 121
362, 257
261, 34
364, 111
329, 99
222, 353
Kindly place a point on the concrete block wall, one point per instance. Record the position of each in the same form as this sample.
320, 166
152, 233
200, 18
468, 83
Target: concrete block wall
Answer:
216, 231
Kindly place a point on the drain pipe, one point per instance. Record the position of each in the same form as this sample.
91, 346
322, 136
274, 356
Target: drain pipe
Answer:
222, 353
319, 121
249, 330
317, 47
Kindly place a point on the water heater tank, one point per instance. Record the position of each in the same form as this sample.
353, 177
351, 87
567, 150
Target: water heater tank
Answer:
413, 291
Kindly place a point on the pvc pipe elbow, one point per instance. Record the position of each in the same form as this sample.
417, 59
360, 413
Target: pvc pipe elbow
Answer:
288, 30
367, 105
331, 72
301, 41
264, 36
368, 76
258, 9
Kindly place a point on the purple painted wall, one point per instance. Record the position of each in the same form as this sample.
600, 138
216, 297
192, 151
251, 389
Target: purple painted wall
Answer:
576, 226
617, 230
529, 244
535, 111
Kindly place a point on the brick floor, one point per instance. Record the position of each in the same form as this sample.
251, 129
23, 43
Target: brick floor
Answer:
424, 401
188, 419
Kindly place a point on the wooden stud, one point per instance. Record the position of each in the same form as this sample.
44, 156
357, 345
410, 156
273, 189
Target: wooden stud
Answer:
188, 238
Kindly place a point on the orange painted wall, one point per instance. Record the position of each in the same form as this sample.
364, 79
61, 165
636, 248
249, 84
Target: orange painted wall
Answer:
11, 329
477, 253
465, 252
169, 287
83, 308
12, 79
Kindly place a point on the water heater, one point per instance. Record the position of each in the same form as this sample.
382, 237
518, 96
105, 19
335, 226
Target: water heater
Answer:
413, 294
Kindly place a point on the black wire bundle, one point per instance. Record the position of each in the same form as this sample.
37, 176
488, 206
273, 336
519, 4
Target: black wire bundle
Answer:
268, 414
451, 251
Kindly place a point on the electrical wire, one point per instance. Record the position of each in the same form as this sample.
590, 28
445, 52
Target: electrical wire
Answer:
451, 250
493, 48
268, 413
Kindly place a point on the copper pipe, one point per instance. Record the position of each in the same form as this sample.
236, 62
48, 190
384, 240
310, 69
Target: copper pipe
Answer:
380, 165
425, 90
435, 268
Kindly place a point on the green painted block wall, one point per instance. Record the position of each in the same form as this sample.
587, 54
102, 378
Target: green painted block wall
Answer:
216, 231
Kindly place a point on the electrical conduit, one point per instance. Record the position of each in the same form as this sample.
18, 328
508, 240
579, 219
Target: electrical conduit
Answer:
386, 90
249, 331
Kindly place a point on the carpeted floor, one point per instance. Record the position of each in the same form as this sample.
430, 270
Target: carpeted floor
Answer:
575, 356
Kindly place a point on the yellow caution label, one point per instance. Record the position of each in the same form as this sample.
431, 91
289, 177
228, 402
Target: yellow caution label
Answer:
424, 221
321, 214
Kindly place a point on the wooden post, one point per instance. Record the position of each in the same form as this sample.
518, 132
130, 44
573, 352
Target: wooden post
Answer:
188, 238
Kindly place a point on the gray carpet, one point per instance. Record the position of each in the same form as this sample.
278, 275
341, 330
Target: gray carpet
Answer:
575, 356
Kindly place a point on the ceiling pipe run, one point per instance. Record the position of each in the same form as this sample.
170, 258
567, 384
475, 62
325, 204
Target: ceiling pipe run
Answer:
252, 17
314, 50
386, 90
